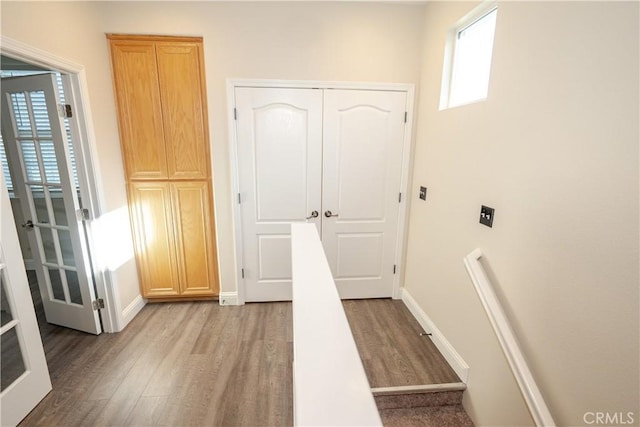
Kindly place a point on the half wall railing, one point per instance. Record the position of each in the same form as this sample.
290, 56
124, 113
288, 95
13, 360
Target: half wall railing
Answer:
508, 341
330, 387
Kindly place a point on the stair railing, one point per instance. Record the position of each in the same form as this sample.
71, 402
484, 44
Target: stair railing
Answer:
508, 342
330, 386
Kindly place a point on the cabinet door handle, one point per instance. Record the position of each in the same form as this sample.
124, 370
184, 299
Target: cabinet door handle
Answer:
328, 214
314, 214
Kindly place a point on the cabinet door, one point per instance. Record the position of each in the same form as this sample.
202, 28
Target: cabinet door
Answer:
139, 109
151, 216
193, 224
183, 109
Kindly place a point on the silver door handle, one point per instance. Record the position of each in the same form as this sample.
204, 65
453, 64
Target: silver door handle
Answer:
28, 224
314, 214
328, 214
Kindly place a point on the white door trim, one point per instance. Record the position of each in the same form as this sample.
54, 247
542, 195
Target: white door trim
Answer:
90, 184
232, 84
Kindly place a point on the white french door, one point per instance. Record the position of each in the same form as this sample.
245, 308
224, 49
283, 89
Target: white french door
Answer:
331, 157
38, 151
25, 376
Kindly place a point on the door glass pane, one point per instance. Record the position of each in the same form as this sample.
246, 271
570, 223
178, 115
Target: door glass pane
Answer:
47, 244
49, 161
56, 284
40, 203
59, 211
5, 308
5, 168
74, 287
66, 248
40, 114
30, 159
12, 362
23, 122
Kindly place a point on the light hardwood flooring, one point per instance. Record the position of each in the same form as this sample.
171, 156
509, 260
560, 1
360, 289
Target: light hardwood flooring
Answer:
196, 363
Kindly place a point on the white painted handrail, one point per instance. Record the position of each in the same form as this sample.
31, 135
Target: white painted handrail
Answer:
330, 387
506, 337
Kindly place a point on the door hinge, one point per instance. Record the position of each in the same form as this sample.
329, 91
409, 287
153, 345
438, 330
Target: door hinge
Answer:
98, 304
239, 199
83, 214
399, 197
405, 116
65, 111
235, 113
394, 269
242, 272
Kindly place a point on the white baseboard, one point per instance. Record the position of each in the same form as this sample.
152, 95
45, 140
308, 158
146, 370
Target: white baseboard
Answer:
229, 298
446, 349
132, 310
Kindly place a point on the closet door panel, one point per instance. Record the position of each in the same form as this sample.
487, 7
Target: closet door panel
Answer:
363, 136
183, 109
193, 223
150, 206
280, 158
139, 109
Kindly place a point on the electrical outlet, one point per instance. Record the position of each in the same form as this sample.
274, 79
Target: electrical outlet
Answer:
423, 193
486, 216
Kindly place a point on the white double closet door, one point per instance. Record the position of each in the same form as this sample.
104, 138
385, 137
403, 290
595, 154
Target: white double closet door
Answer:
328, 157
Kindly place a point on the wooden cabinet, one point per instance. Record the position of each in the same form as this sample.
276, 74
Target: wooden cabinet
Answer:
139, 110
151, 219
182, 102
162, 116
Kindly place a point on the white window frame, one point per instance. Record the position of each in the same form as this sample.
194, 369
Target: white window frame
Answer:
465, 22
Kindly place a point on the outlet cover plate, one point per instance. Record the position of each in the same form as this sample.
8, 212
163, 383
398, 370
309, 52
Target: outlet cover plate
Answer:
423, 193
486, 216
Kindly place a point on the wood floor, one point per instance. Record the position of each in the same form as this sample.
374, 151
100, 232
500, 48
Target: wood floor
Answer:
201, 364
391, 348
175, 364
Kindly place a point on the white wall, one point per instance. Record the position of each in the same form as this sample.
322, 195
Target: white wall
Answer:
311, 41
555, 151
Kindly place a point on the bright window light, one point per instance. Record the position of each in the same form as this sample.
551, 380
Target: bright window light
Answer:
470, 63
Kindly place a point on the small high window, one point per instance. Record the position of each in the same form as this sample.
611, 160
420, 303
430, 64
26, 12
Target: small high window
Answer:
468, 58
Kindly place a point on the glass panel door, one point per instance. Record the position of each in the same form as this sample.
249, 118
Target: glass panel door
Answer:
24, 378
36, 146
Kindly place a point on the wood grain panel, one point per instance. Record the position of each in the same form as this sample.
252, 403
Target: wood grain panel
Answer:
150, 206
139, 109
160, 91
193, 224
183, 109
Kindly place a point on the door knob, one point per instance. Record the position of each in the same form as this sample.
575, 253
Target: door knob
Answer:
328, 214
314, 214
28, 224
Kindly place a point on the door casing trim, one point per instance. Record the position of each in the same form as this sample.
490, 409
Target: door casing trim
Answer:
407, 157
90, 185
